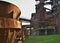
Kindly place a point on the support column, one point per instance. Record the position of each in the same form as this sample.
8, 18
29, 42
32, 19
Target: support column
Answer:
45, 31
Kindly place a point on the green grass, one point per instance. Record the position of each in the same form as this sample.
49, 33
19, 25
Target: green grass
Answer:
43, 39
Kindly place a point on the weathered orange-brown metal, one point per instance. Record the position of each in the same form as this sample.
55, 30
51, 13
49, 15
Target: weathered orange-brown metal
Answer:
9, 10
10, 26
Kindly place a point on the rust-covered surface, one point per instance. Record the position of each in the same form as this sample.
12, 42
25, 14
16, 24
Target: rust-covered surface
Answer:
9, 23
9, 10
10, 26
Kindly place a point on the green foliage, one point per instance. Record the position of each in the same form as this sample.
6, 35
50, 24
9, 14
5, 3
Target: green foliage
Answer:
43, 39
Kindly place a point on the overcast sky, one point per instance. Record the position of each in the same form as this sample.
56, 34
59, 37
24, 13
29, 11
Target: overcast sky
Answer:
27, 7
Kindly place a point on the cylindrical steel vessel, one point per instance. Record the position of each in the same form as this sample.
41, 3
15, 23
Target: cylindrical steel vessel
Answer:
10, 26
9, 10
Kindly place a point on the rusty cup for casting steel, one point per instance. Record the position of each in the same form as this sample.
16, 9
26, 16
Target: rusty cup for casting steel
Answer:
10, 26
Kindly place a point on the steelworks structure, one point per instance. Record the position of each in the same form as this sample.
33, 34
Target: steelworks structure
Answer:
46, 22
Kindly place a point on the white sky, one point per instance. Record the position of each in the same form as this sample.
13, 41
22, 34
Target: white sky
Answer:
27, 7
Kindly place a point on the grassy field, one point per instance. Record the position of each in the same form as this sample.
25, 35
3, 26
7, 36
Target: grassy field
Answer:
43, 39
